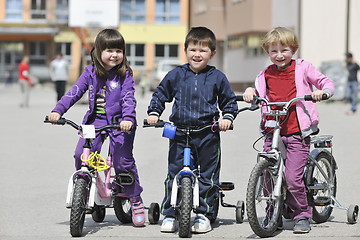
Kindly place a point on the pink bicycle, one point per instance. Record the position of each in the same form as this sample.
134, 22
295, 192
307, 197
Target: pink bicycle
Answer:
90, 192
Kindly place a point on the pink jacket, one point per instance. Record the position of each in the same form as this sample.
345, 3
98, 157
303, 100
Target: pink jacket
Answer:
306, 76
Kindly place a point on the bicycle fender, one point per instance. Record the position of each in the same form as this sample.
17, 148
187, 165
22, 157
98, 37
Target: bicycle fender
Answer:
71, 183
174, 192
91, 200
315, 152
69, 193
196, 201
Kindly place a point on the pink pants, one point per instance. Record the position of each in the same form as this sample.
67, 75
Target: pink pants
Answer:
296, 159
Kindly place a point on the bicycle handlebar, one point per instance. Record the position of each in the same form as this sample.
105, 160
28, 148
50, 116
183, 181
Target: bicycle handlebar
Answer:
161, 123
256, 102
63, 121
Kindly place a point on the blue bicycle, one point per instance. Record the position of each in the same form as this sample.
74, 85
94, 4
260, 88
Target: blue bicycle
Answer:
187, 180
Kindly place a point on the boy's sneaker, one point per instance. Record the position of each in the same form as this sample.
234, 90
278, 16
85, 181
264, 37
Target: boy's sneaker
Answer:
168, 225
137, 208
302, 225
201, 224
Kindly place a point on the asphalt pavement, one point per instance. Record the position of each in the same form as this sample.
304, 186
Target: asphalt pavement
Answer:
37, 161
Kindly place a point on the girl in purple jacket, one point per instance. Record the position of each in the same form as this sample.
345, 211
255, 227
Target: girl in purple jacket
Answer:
285, 79
111, 90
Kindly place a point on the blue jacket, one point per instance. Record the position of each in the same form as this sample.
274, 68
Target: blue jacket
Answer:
196, 96
120, 100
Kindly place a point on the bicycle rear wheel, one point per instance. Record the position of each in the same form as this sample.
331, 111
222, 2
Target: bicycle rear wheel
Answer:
185, 206
319, 189
263, 209
78, 209
122, 209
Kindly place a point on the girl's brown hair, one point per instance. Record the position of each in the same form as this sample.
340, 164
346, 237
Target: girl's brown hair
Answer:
107, 39
280, 35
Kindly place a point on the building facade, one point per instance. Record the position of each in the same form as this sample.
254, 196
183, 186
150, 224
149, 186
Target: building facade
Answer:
153, 30
324, 33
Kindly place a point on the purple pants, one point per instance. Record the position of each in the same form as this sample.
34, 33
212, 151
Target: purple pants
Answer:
296, 159
121, 147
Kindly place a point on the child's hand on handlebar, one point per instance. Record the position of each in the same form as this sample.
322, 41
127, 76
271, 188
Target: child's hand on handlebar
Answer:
317, 95
224, 124
54, 117
152, 120
249, 94
125, 126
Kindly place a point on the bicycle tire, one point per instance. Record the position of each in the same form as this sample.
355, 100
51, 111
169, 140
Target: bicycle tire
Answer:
185, 207
321, 211
98, 214
122, 209
78, 208
263, 212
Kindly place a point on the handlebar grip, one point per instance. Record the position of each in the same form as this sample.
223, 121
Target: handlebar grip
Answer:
160, 123
61, 121
309, 98
239, 98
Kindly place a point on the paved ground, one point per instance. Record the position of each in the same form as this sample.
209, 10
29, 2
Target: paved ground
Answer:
37, 162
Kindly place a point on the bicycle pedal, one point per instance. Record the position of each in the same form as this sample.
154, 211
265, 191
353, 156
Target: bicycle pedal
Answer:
125, 179
322, 201
227, 186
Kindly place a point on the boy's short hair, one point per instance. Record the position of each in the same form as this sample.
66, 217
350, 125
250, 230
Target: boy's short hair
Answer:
201, 35
349, 55
281, 35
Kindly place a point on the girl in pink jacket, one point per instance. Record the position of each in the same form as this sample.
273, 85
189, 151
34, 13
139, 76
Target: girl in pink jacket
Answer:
285, 79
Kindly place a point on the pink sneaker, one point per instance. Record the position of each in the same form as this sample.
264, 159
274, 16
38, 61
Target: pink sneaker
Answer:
138, 213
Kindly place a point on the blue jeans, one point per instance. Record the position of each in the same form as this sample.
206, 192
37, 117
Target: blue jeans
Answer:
353, 94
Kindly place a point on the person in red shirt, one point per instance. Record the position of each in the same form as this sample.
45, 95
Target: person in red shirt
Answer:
24, 81
283, 80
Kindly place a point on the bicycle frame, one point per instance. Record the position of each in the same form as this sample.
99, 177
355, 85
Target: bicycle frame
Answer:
100, 191
188, 169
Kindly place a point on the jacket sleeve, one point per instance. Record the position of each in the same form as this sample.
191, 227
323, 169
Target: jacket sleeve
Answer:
74, 94
319, 80
128, 101
162, 95
227, 100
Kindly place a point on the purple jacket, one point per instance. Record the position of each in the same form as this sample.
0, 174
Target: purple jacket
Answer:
120, 99
306, 77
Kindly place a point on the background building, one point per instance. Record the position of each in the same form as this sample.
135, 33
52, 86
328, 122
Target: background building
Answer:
153, 30
323, 30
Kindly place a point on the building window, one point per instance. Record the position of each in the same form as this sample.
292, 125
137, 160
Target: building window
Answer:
133, 11
166, 51
253, 46
38, 9
167, 11
38, 54
14, 10
65, 49
62, 10
135, 54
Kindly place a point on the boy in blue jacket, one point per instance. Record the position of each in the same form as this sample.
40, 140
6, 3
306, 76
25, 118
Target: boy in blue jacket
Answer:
198, 90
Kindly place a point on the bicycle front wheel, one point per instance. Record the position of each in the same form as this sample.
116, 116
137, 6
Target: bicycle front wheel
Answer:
321, 185
78, 209
263, 209
185, 206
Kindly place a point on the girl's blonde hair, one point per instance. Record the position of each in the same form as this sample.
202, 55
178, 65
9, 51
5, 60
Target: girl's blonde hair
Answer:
282, 35
107, 39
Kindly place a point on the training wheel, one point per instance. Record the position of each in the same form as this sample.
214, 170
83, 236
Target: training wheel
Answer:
240, 210
352, 213
154, 213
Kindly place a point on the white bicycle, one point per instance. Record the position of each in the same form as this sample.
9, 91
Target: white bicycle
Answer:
266, 190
